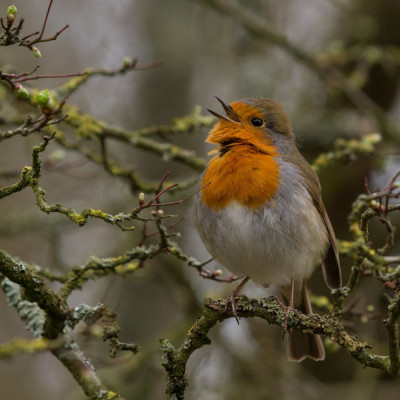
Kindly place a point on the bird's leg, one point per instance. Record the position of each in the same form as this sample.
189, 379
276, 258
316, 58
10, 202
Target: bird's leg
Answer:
290, 306
235, 293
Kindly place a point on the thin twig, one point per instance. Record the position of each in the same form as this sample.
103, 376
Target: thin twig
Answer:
39, 39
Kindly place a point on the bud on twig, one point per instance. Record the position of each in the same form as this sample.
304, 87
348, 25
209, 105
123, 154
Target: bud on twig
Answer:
45, 101
43, 98
127, 62
373, 204
141, 198
11, 13
12, 10
21, 92
36, 52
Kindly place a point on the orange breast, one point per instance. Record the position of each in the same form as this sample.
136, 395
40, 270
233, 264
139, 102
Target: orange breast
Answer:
244, 175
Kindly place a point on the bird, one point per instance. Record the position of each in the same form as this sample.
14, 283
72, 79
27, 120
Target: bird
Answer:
259, 211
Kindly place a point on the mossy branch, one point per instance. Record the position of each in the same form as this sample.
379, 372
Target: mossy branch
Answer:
27, 292
215, 311
347, 151
392, 327
83, 372
23, 346
88, 127
35, 291
99, 267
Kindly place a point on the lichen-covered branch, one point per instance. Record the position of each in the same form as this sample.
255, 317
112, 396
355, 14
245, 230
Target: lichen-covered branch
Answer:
35, 291
23, 346
88, 127
48, 317
346, 151
392, 327
98, 267
269, 310
83, 372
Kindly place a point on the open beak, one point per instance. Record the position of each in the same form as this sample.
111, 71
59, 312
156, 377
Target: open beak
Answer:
231, 116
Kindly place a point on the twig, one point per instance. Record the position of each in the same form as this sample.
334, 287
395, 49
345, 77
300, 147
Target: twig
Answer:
127, 65
12, 35
32, 125
29, 44
15, 79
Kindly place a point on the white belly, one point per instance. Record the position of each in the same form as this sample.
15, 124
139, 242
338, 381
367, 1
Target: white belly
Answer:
270, 245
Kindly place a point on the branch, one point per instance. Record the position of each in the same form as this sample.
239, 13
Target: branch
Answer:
128, 64
29, 43
35, 291
99, 267
12, 34
346, 151
83, 372
392, 328
14, 80
88, 127
33, 346
30, 125
269, 310
30, 177
37, 294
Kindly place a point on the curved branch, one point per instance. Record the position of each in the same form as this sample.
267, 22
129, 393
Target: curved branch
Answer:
269, 310
36, 291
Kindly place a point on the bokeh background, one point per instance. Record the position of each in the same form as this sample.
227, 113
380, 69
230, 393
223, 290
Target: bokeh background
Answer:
206, 53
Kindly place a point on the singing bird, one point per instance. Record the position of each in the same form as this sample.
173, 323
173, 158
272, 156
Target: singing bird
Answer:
259, 210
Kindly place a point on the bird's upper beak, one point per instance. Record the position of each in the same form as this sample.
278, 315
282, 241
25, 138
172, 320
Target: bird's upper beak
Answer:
231, 115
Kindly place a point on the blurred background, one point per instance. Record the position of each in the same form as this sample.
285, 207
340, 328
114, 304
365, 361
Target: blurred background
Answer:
205, 52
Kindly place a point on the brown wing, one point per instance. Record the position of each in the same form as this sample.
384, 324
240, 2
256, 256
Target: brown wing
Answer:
331, 263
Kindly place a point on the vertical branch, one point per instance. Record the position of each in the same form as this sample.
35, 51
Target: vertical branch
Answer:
392, 328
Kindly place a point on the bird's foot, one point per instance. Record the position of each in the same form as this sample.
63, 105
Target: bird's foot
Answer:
288, 309
232, 301
236, 293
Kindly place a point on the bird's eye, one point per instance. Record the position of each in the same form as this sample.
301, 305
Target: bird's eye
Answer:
257, 122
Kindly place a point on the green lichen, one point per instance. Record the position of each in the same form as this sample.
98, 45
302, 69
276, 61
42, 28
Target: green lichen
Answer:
86, 126
347, 150
19, 345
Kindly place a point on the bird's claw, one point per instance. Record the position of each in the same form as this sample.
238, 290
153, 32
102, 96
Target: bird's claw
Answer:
288, 309
232, 300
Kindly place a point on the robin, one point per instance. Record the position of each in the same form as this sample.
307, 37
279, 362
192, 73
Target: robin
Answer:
260, 212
